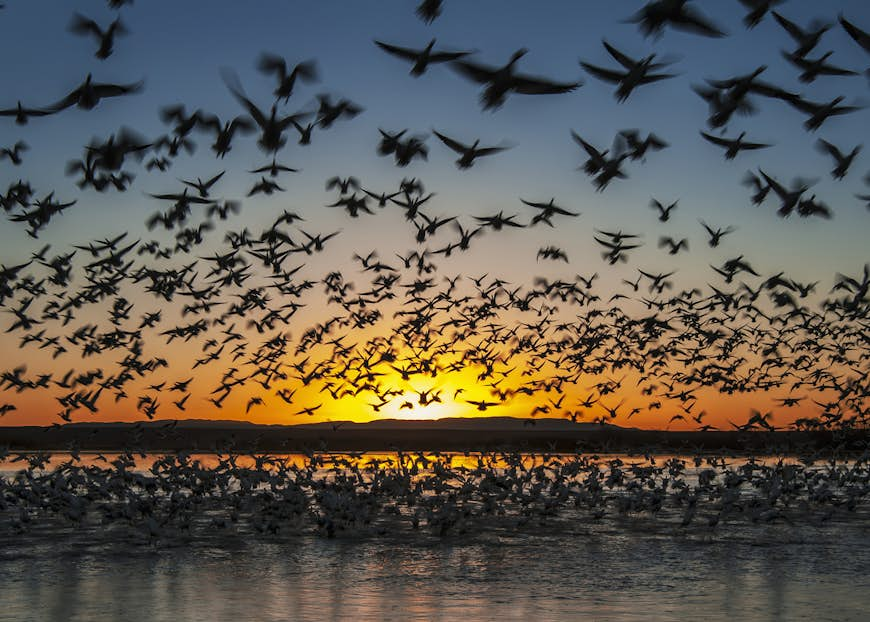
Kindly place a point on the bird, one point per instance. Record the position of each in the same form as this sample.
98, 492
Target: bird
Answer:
14, 152
547, 211
788, 198
499, 82
733, 146
429, 10
22, 113
89, 93
224, 132
674, 246
552, 252
421, 59
203, 187
634, 73
467, 153
272, 127
270, 64
842, 160
274, 168
805, 39
637, 147
328, 113
82, 25
757, 10
717, 234
654, 16
664, 212
811, 68
821, 111
599, 165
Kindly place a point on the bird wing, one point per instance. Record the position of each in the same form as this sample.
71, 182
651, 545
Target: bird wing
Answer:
113, 90
656, 77
722, 142
440, 57
861, 38
826, 147
777, 187
693, 21
235, 87
488, 150
790, 27
395, 50
81, 25
453, 144
270, 63
531, 85
601, 73
474, 71
623, 59
592, 151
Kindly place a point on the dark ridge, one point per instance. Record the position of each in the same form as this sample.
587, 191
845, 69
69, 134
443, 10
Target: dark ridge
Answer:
455, 434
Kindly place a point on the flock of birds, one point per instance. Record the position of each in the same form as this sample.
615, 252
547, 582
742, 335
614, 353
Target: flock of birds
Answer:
746, 333
565, 348
179, 497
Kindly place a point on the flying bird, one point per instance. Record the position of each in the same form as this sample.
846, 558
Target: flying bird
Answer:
653, 17
635, 72
84, 26
89, 93
421, 59
499, 82
467, 153
733, 146
270, 64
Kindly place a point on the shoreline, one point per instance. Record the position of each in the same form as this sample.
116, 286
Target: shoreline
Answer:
213, 437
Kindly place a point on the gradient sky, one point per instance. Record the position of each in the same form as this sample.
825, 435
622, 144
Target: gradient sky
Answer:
179, 49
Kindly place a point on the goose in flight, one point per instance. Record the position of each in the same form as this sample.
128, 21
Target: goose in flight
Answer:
843, 160
820, 112
82, 25
654, 16
421, 59
733, 146
467, 153
811, 68
272, 64
806, 39
634, 73
89, 93
499, 82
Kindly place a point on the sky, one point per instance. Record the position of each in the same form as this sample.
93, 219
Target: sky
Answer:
181, 50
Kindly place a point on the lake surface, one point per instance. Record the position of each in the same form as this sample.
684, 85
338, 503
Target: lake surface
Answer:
609, 574
567, 567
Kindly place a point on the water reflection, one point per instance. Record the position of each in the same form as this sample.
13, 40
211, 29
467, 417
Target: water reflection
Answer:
607, 575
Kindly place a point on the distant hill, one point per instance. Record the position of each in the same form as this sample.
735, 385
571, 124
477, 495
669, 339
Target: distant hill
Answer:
544, 424
449, 434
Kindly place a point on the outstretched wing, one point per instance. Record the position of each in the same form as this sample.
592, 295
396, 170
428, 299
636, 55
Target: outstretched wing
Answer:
395, 50
453, 144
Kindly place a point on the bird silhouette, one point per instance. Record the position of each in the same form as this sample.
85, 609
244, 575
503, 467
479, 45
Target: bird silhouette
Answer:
467, 153
634, 73
271, 64
421, 59
499, 82
88, 94
81, 25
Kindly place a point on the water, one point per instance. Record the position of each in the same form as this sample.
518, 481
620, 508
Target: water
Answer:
614, 574
623, 567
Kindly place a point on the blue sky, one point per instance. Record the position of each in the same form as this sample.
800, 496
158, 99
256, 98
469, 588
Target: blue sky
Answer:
178, 49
